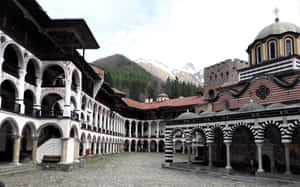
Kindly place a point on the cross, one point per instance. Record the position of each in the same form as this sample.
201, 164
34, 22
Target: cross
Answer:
276, 11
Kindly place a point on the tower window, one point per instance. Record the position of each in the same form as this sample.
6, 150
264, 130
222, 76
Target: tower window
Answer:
272, 49
288, 45
258, 54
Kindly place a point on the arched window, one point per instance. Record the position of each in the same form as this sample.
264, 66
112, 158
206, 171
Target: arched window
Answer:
258, 54
272, 50
288, 46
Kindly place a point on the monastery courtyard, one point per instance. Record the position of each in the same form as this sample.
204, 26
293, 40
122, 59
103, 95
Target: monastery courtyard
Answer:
132, 169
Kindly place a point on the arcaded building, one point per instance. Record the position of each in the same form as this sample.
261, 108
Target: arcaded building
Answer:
55, 108
253, 125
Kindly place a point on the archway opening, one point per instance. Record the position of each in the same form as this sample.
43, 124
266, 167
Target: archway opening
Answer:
29, 102
127, 128
139, 146
26, 144
75, 81
47, 133
266, 163
31, 74
133, 127
243, 150
81, 146
7, 132
8, 97
11, 61
145, 146
146, 130
53, 76
199, 148
52, 105
295, 152
274, 149
133, 145
153, 146
161, 146
126, 146
218, 149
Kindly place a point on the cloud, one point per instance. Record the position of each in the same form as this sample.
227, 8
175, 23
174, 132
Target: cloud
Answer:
174, 31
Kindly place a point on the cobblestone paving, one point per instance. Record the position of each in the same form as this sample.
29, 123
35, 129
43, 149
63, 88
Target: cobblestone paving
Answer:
130, 170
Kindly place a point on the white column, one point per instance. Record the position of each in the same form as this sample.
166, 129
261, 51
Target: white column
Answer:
34, 148
157, 146
183, 147
21, 86
259, 156
287, 159
136, 129
129, 146
67, 99
228, 166
130, 129
210, 155
157, 130
1, 63
37, 104
149, 131
16, 153
142, 130
64, 152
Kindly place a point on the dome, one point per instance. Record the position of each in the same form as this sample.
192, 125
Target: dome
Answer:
207, 113
187, 115
251, 107
276, 106
277, 28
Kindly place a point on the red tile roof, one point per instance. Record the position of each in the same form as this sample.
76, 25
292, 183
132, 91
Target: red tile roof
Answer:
185, 101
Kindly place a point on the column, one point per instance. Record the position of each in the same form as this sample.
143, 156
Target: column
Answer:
157, 130
149, 144
287, 159
228, 166
142, 130
99, 148
37, 105
84, 148
157, 146
189, 147
1, 63
16, 153
64, 156
259, 156
136, 129
130, 129
76, 149
67, 99
210, 155
183, 148
20, 99
129, 146
149, 130
136, 146
34, 148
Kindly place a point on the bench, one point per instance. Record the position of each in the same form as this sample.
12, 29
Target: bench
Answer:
51, 159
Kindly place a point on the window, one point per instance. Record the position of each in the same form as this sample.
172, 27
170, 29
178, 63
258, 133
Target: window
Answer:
258, 54
272, 49
288, 46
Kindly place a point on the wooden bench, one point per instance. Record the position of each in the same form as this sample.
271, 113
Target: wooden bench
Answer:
51, 159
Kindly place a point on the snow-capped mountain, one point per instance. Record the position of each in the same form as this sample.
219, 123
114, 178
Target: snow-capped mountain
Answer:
188, 73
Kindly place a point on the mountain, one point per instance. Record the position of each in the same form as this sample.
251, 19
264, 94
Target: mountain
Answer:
187, 74
126, 75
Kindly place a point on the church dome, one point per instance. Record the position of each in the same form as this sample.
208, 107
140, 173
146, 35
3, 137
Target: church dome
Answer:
252, 106
187, 115
277, 28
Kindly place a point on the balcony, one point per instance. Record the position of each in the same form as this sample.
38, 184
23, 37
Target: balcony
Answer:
52, 113
10, 106
32, 112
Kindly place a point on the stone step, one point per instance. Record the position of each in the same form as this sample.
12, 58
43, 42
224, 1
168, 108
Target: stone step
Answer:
12, 169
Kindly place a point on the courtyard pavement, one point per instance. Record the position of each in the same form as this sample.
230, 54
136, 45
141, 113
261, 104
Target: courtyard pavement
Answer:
132, 170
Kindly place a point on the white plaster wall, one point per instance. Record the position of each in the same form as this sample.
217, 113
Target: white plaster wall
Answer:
70, 152
52, 147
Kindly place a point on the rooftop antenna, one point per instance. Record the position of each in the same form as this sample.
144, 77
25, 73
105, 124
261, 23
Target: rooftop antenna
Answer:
276, 11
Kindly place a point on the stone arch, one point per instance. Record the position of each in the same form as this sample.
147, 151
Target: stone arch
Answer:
33, 70
232, 128
13, 123
211, 133
76, 81
62, 134
264, 125
52, 105
9, 94
29, 101
26, 144
32, 128
74, 132
54, 74
12, 47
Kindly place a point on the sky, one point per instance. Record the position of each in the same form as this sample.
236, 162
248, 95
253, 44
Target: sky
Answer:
174, 32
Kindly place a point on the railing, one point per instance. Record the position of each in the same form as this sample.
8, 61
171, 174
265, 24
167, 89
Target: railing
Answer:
74, 116
52, 113
10, 107
33, 112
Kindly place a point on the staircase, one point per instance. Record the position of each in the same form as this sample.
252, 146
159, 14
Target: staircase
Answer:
8, 169
51, 147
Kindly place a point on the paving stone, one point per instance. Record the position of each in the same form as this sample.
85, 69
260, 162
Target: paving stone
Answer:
128, 170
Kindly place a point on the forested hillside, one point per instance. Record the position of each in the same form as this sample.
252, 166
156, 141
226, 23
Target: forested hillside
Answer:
137, 83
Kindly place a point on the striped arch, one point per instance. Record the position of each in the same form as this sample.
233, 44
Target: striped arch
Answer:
228, 132
259, 138
211, 132
205, 131
288, 131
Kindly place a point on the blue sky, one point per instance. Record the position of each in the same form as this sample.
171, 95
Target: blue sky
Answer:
174, 31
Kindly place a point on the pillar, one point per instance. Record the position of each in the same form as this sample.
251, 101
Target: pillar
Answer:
228, 165
189, 146
157, 130
142, 130
287, 159
67, 99
183, 148
149, 146
99, 148
136, 143
136, 129
259, 156
1, 63
16, 153
149, 135
34, 148
64, 146
130, 129
20, 99
157, 146
210, 155
129, 146
76, 149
